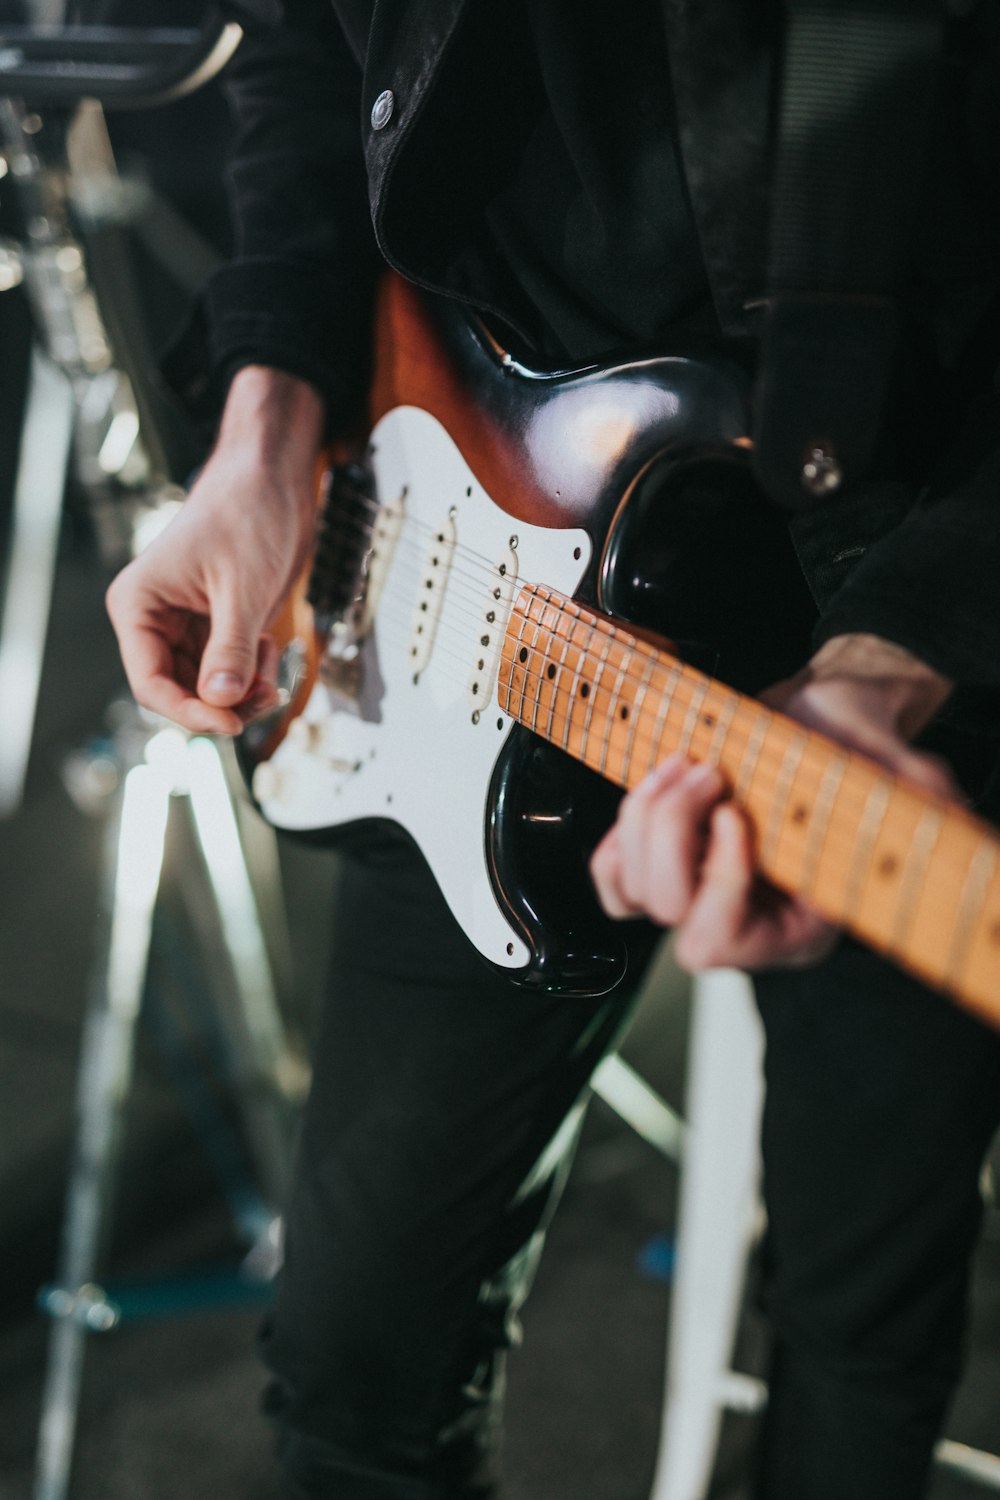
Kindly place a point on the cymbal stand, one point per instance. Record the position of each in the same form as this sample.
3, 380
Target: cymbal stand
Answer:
170, 777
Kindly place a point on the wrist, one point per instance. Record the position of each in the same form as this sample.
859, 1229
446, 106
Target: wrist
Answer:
273, 420
911, 689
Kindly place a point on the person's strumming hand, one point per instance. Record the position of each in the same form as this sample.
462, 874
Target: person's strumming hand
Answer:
682, 853
192, 610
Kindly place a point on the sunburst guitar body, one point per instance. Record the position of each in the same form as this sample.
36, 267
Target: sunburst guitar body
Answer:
480, 655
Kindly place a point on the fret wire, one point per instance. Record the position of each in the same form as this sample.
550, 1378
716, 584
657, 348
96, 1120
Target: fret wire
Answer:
662, 714
609, 641
782, 791
592, 695
627, 655
572, 693
524, 679
694, 709
538, 688
680, 678
557, 684
643, 688
981, 868
751, 755
815, 748
868, 831
722, 725
822, 808
921, 848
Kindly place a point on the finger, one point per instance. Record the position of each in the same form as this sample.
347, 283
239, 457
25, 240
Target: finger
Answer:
663, 835
719, 912
151, 669
229, 661
606, 872
736, 921
605, 862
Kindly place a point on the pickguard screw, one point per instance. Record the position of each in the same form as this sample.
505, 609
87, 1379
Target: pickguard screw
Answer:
475, 717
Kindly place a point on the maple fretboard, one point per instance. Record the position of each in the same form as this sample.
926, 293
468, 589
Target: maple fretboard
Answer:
911, 875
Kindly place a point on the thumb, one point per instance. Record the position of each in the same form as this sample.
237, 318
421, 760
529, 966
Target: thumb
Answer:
229, 660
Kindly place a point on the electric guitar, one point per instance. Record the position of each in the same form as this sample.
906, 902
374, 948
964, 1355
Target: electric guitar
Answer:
477, 655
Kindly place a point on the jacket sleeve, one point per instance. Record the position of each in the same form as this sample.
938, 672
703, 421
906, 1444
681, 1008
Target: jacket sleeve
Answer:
298, 292
932, 584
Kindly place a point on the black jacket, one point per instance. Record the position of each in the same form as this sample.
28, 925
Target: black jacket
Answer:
312, 179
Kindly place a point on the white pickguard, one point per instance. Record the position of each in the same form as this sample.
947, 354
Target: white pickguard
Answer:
420, 749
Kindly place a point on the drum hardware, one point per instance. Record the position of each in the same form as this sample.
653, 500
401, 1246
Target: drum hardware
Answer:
145, 778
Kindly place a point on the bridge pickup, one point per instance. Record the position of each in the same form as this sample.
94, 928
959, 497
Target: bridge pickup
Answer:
430, 594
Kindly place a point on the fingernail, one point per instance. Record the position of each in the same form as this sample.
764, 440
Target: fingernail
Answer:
224, 682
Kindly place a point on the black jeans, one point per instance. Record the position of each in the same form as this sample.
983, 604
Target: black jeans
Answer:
424, 1186
422, 1191
881, 1102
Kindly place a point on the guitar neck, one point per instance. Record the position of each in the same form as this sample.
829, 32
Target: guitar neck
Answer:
913, 876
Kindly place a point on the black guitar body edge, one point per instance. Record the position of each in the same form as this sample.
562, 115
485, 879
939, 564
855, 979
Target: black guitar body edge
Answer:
688, 548
685, 547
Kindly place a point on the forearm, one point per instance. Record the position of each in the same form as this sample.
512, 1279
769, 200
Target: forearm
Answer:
273, 422
910, 690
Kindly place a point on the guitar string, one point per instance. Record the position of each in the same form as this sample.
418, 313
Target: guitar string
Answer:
445, 620
685, 690
838, 835
839, 840
362, 528
651, 744
850, 800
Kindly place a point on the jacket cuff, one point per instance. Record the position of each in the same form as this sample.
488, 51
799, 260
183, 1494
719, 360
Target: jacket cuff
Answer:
284, 314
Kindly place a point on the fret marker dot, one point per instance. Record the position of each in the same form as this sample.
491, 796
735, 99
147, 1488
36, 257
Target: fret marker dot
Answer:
799, 813
585, 690
888, 865
522, 655
551, 671
623, 712
995, 932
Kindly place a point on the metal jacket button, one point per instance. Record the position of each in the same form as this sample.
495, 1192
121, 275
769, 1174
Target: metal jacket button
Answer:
382, 109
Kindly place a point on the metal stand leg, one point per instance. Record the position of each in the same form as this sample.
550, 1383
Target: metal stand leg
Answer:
77, 1304
269, 1078
38, 495
718, 1209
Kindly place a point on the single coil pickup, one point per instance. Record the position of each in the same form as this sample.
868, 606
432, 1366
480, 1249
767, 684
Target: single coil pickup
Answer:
493, 623
430, 594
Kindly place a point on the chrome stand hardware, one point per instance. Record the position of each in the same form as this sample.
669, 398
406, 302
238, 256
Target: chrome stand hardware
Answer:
164, 776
